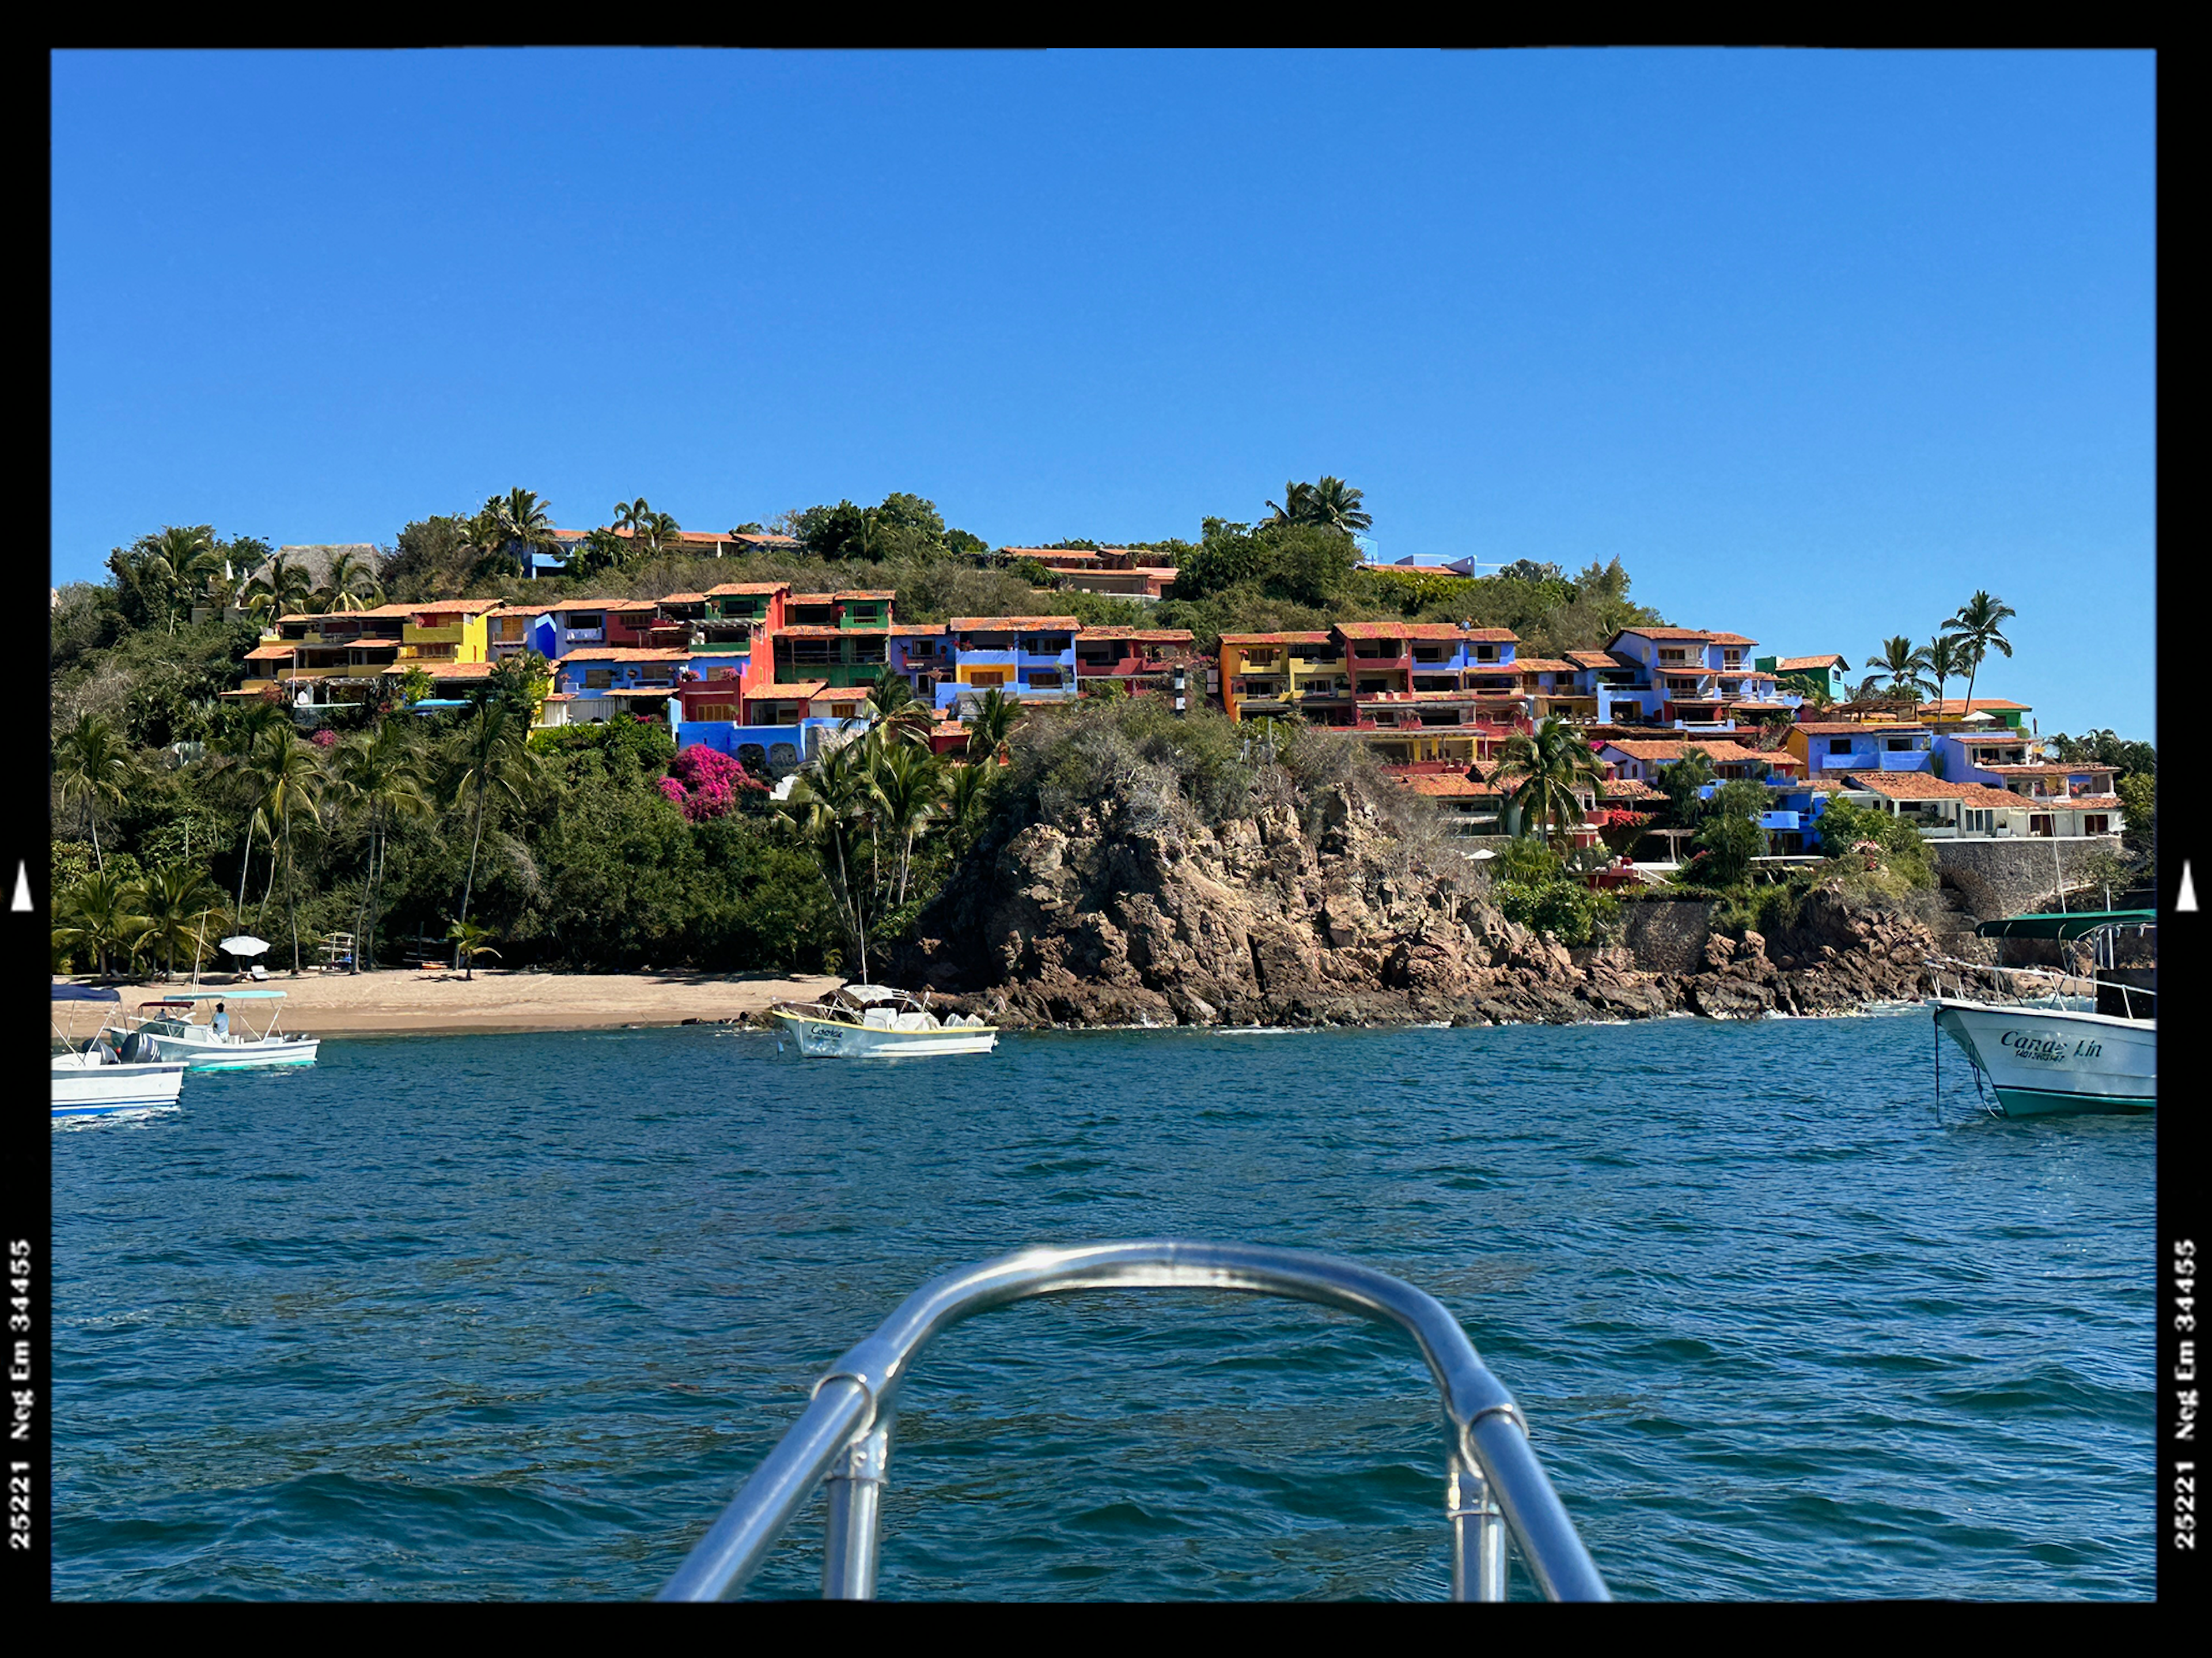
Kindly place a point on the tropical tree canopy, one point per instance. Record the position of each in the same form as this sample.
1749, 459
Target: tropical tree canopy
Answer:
1906, 664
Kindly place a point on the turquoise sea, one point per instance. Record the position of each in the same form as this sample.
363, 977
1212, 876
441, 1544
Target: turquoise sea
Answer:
514, 1315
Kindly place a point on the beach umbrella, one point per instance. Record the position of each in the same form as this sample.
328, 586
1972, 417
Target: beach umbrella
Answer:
243, 943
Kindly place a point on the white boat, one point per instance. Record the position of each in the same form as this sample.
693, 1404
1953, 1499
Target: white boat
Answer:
874, 1022
90, 1080
166, 1030
2041, 1059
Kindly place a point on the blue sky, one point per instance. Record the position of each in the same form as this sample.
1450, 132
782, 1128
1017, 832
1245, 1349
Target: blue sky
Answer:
1817, 343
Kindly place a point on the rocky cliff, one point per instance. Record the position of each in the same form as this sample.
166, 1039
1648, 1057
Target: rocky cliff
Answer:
1338, 920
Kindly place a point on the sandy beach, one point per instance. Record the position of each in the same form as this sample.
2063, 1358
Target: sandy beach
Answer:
442, 1003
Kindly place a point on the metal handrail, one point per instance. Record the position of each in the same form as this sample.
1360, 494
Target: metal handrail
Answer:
1494, 1482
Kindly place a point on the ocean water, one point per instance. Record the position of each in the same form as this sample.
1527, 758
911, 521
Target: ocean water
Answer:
513, 1316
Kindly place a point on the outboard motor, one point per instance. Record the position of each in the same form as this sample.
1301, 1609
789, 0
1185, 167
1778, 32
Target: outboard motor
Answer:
138, 1049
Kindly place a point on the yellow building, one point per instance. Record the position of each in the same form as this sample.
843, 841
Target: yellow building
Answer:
446, 630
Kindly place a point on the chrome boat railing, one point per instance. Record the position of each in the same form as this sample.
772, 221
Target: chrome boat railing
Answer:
1494, 1483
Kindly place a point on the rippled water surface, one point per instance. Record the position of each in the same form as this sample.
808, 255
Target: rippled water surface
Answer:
512, 1316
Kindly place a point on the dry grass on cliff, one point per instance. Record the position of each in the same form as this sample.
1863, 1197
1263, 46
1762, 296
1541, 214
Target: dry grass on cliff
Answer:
1135, 766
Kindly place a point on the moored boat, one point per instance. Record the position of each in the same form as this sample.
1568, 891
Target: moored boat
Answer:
90, 1079
2039, 1060
875, 1022
166, 1030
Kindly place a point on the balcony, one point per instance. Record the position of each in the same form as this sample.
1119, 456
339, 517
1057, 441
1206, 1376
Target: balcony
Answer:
448, 635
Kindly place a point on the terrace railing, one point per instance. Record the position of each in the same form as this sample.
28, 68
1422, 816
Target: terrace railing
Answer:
1493, 1484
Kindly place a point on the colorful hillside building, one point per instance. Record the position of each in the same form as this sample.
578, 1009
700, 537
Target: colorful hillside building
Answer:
1029, 657
1810, 676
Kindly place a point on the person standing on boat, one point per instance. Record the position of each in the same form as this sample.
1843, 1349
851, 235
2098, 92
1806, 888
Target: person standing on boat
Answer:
222, 1023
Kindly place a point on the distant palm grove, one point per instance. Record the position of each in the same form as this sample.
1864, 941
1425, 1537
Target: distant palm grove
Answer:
407, 828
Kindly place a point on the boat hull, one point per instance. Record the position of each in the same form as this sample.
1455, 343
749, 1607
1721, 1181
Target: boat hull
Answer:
2042, 1061
99, 1090
252, 1056
831, 1039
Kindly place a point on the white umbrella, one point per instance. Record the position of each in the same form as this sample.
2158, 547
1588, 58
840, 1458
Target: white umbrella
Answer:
243, 944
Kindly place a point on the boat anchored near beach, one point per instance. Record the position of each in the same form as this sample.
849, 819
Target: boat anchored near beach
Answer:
2069, 1055
166, 1030
91, 1079
875, 1022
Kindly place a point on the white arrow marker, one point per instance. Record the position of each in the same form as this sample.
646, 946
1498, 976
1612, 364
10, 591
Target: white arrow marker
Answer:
22, 900
2183, 900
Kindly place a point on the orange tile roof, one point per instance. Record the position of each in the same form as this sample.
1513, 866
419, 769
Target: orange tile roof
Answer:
432, 607
865, 592
1664, 633
443, 670
270, 654
1400, 630
1141, 635
1629, 788
825, 631
1916, 786
732, 589
1596, 659
799, 690
1730, 638
1719, 750
1951, 705
625, 654
1543, 664
1450, 786
1787, 663
683, 598
1844, 727
1014, 624
914, 630
1276, 639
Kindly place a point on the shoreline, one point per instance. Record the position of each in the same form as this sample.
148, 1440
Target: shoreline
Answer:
397, 1002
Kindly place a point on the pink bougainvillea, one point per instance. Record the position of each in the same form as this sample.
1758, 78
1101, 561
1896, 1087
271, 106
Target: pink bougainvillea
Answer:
324, 739
705, 783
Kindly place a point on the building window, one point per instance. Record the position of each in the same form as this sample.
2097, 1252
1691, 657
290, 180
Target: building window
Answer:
1900, 745
842, 710
1486, 652
2096, 823
598, 679
2038, 822
1044, 679
986, 677
1839, 746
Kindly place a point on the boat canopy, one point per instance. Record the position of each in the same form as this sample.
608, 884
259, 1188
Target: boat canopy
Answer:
86, 994
873, 993
2056, 925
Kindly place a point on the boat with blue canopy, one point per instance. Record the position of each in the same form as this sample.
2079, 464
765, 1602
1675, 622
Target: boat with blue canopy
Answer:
166, 1029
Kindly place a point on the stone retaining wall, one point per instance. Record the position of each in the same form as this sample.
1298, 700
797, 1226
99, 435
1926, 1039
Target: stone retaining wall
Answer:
2021, 874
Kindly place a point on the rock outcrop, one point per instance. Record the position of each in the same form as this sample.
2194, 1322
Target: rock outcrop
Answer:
1259, 921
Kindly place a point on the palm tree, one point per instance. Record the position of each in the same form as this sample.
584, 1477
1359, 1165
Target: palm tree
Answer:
177, 903
899, 713
349, 583
1685, 783
1296, 506
1336, 504
99, 912
170, 560
527, 520
632, 516
831, 804
988, 725
1980, 624
907, 787
282, 588
287, 775
966, 798
92, 765
1906, 663
249, 724
1550, 765
382, 775
469, 941
491, 755
1947, 659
